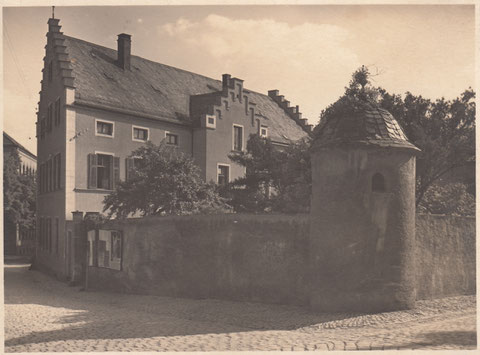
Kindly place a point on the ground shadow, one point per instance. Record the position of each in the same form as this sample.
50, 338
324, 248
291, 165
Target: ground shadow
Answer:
462, 339
81, 315
101, 315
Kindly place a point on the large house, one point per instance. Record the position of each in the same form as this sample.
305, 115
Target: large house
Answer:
98, 104
18, 240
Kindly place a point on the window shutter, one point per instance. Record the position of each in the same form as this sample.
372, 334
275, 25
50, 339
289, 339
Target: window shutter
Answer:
49, 176
92, 171
55, 167
59, 171
116, 171
128, 167
57, 112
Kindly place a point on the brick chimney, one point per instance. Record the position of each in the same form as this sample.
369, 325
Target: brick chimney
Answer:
226, 80
124, 48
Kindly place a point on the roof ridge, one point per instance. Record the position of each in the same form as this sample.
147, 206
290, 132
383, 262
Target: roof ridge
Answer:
18, 144
166, 65
179, 83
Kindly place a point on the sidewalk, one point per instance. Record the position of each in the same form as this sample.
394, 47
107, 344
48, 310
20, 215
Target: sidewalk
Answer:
42, 314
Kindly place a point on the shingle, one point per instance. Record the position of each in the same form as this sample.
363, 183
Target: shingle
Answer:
373, 125
157, 89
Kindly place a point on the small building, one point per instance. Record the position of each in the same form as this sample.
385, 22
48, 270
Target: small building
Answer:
18, 240
362, 217
98, 104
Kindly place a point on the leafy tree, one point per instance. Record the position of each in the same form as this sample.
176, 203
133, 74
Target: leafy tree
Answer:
277, 179
451, 198
19, 193
444, 130
164, 182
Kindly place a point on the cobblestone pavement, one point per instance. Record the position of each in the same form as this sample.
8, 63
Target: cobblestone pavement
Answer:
44, 315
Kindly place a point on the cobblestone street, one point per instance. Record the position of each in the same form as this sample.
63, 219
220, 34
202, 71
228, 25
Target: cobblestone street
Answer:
42, 314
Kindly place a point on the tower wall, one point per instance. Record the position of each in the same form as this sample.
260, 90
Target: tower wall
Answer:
361, 241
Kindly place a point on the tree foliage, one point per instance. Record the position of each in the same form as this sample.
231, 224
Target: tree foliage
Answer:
277, 179
444, 130
450, 198
164, 182
19, 193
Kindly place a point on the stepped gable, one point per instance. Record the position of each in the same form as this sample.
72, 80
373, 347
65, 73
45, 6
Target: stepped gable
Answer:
158, 90
57, 39
366, 125
292, 111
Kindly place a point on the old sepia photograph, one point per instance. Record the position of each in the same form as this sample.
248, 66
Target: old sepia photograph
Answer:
227, 177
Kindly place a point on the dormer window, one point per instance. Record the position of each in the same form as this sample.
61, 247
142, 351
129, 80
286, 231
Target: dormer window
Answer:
263, 131
109, 77
210, 121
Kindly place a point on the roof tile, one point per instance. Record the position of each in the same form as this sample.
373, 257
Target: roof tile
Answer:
157, 89
368, 124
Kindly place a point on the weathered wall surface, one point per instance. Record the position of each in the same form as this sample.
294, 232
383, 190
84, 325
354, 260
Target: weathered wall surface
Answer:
445, 256
362, 239
259, 258
264, 258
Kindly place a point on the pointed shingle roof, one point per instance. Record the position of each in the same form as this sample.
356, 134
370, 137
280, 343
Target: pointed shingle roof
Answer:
367, 124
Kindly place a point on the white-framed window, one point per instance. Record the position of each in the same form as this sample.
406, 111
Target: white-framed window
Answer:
140, 134
211, 121
263, 131
103, 171
223, 174
237, 141
170, 138
104, 128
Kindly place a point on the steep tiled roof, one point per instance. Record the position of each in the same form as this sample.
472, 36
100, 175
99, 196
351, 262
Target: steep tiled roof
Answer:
368, 125
156, 89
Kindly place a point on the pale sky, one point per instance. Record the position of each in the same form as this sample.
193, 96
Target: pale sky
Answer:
306, 52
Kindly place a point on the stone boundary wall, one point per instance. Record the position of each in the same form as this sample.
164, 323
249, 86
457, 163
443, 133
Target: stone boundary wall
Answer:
445, 256
258, 258
264, 258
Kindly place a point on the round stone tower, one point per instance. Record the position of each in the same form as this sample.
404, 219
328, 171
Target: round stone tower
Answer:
362, 233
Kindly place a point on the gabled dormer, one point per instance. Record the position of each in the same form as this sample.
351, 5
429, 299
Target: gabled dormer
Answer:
212, 107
